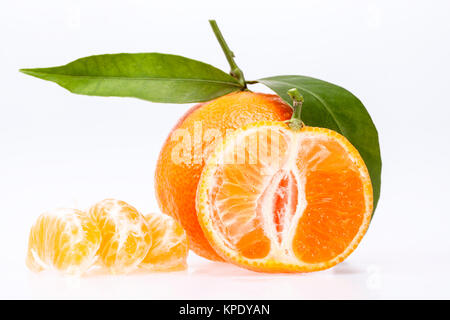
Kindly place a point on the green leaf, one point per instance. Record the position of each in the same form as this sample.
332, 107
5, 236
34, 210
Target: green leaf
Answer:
330, 106
155, 77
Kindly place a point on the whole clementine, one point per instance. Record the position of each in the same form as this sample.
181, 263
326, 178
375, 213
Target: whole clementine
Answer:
195, 135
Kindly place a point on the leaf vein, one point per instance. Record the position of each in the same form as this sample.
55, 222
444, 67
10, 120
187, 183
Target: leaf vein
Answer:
135, 78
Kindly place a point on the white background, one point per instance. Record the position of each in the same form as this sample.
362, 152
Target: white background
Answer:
60, 149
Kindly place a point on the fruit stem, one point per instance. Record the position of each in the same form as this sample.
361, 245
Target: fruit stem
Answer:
235, 71
296, 122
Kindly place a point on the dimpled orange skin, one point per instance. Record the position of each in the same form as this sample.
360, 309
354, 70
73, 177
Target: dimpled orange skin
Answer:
176, 183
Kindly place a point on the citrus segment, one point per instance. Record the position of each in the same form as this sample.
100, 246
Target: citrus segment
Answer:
64, 239
302, 203
169, 248
125, 235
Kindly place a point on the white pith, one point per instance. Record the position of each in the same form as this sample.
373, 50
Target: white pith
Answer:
279, 253
283, 251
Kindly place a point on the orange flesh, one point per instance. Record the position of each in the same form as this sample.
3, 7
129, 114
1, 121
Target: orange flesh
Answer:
335, 197
325, 179
254, 244
285, 200
333, 215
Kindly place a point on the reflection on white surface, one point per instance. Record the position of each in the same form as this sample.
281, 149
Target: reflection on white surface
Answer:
204, 280
214, 280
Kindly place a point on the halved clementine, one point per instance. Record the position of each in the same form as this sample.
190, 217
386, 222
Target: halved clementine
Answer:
274, 199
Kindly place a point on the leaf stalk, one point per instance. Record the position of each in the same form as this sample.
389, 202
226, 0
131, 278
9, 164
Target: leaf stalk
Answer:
236, 72
296, 122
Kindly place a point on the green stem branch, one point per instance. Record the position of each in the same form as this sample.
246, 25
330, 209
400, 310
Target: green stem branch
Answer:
296, 122
236, 72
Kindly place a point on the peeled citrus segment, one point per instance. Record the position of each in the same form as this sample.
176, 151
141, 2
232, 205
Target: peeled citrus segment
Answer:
289, 201
169, 248
64, 239
125, 235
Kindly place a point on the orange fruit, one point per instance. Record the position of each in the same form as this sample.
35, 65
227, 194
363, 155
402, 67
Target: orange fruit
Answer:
176, 182
65, 240
125, 235
274, 199
169, 248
